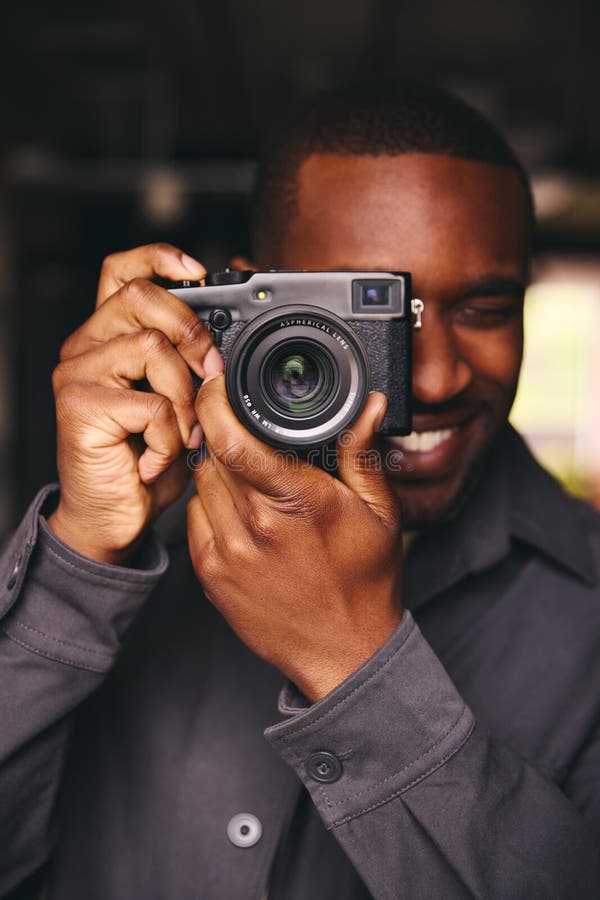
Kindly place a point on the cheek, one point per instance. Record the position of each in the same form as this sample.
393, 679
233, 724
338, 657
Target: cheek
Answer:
493, 356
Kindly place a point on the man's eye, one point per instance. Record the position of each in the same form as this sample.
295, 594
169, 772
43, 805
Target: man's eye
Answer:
482, 315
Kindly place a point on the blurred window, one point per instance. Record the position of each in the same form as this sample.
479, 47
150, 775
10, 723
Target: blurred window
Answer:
558, 401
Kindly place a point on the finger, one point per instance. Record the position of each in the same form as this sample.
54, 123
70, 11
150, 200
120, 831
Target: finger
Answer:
100, 417
217, 501
201, 539
360, 466
269, 470
163, 260
144, 354
163, 445
171, 483
140, 304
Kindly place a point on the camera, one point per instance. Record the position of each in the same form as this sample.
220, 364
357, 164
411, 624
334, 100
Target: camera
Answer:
303, 349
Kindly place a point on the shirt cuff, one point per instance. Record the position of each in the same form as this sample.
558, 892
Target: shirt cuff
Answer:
388, 726
67, 607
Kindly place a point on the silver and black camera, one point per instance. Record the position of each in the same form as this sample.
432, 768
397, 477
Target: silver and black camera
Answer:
303, 349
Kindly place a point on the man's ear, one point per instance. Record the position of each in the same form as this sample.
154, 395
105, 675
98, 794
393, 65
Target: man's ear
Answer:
242, 264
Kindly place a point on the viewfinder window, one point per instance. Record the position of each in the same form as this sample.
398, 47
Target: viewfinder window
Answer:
377, 294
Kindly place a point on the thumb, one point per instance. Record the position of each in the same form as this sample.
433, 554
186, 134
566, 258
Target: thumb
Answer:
360, 464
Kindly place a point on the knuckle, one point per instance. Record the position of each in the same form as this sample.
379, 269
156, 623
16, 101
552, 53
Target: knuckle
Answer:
153, 342
208, 567
160, 407
316, 503
69, 346
73, 402
67, 377
65, 398
262, 522
165, 456
234, 455
65, 349
193, 331
60, 376
228, 446
239, 549
163, 252
205, 557
138, 293
110, 262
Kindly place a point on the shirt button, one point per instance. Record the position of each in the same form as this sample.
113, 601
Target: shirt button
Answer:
244, 830
15, 572
324, 767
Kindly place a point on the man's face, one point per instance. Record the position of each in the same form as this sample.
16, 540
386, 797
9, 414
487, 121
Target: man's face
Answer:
461, 228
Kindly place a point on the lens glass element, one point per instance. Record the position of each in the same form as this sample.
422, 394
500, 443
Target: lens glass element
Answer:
299, 378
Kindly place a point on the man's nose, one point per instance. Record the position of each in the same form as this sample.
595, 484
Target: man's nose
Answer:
439, 370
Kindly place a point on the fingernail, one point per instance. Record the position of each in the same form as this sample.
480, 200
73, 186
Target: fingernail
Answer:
192, 265
196, 437
209, 378
213, 362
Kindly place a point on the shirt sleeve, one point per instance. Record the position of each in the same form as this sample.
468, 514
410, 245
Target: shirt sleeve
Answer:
424, 802
62, 620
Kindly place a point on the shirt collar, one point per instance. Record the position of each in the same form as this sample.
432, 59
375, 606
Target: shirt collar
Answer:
515, 498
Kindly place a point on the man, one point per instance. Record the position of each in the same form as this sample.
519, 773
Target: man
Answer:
453, 758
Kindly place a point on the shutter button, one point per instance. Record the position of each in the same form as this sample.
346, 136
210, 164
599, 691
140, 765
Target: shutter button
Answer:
15, 573
244, 830
324, 767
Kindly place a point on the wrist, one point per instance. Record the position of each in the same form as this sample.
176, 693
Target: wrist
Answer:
319, 678
83, 539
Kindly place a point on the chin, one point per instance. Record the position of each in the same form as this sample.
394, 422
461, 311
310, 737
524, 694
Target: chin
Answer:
423, 508
428, 502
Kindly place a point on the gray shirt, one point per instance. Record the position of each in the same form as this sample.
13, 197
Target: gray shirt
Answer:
461, 761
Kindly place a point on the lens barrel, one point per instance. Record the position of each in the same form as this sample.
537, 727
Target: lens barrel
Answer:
297, 376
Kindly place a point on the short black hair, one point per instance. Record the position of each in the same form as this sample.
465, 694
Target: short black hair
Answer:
374, 118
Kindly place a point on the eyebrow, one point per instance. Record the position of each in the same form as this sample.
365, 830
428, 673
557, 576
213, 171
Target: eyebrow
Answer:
493, 286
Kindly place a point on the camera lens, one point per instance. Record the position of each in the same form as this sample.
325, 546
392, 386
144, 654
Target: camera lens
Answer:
298, 378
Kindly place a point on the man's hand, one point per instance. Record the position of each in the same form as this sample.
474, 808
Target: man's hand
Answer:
120, 457
305, 568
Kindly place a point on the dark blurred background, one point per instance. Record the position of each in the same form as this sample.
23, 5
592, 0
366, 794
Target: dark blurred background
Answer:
130, 122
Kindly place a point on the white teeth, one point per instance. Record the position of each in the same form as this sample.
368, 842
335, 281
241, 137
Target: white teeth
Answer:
423, 441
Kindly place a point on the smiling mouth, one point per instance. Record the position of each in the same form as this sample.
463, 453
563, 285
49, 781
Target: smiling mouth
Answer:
424, 441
